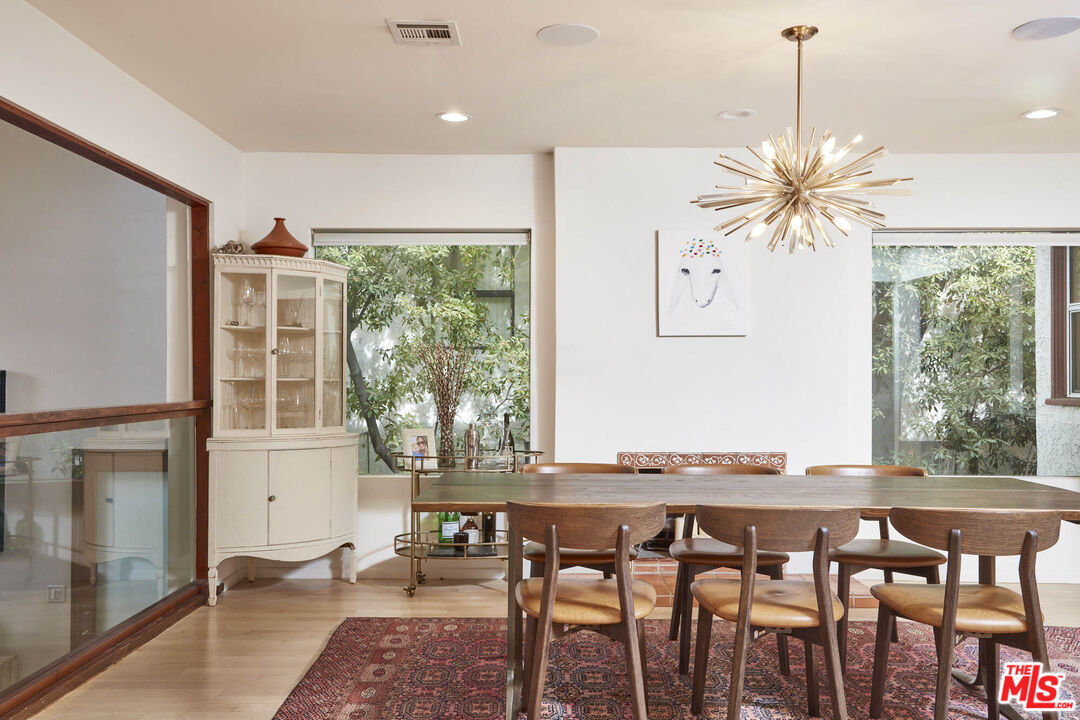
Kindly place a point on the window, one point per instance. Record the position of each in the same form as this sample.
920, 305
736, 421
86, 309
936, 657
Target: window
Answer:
406, 289
954, 357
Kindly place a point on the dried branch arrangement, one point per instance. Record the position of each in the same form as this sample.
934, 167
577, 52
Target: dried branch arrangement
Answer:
445, 370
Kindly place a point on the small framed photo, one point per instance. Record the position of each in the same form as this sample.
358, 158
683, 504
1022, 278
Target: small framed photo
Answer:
419, 443
702, 285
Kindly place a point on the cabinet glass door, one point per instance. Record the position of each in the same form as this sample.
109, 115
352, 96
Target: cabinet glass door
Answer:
242, 360
294, 394
332, 360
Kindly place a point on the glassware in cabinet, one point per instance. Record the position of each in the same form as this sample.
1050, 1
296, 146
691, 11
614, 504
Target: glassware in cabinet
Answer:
294, 313
242, 350
333, 377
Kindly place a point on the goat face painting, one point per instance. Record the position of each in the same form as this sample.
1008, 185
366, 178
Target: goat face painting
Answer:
701, 285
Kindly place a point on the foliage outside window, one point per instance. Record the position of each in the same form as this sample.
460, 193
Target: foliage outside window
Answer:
954, 358
404, 297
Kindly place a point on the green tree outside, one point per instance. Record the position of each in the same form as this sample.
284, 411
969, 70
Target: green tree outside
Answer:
954, 359
400, 297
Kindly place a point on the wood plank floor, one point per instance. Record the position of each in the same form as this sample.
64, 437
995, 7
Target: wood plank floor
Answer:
239, 660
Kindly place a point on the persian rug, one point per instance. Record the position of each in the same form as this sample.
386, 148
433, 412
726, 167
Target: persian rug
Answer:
454, 669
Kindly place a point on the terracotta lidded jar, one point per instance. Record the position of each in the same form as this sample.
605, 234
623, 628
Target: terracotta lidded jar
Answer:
280, 241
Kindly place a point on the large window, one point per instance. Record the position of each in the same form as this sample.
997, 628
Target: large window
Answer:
954, 358
410, 289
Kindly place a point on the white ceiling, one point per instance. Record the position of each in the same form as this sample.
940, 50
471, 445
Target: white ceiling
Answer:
325, 76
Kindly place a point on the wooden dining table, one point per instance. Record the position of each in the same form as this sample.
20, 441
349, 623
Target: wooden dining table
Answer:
476, 492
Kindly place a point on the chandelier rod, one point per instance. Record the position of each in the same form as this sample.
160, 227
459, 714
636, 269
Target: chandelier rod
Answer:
798, 98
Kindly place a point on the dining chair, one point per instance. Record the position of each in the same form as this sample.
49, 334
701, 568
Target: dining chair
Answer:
601, 559
700, 554
885, 554
554, 607
993, 614
807, 610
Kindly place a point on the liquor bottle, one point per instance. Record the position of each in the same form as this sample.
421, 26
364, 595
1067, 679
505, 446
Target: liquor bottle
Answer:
472, 447
506, 447
470, 528
449, 523
488, 522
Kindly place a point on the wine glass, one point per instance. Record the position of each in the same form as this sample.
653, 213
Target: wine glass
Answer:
260, 300
247, 297
285, 351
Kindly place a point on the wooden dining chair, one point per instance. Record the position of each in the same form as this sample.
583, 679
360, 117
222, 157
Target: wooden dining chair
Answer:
994, 614
601, 559
806, 610
700, 554
553, 606
885, 554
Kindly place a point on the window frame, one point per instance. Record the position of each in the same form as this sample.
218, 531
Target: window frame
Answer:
1062, 312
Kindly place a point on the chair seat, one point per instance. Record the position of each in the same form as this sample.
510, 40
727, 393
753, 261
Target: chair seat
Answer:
980, 608
886, 554
585, 602
709, 551
569, 557
777, 603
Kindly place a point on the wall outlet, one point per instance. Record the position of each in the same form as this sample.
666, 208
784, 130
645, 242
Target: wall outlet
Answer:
56, 593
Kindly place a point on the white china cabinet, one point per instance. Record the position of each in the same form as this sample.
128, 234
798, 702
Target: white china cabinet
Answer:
282, 468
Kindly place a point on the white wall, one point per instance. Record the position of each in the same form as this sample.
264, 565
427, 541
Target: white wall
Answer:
618, 386
50, 72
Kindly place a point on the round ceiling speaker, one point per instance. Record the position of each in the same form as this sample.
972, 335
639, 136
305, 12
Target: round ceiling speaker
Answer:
566, 34
1046, 28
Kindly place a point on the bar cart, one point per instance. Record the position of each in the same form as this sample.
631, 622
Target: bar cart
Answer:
419, 545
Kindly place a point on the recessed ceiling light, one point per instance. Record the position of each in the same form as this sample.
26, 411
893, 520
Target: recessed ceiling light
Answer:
567, 34
1046, 28
454, 117
737, 114
1041, 114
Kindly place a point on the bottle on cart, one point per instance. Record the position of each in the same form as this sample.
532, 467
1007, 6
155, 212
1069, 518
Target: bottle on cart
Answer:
506, 447
488, 521
470, 528
472, 447
449, 523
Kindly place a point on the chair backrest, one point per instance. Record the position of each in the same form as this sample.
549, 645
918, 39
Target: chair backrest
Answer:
982, 532
733, 469
778, 528
559, 468
588, 527
867, 470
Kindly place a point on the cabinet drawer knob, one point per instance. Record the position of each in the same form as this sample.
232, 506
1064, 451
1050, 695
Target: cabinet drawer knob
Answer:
272, 498
274, 351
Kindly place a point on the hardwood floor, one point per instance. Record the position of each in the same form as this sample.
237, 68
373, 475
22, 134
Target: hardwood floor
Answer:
239, 660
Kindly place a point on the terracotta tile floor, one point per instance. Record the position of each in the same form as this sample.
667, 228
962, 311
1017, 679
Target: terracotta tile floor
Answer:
661, 574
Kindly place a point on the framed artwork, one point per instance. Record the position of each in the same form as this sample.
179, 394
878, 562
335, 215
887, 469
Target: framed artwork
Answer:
419, 442
702, 285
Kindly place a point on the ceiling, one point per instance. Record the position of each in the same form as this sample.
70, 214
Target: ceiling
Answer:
325, 76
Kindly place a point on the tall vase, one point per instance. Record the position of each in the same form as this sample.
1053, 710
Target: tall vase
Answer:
446, 442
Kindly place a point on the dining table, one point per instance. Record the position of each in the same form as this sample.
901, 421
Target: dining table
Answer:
874, 496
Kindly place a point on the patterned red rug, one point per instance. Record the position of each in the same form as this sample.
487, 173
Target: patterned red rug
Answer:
426, 668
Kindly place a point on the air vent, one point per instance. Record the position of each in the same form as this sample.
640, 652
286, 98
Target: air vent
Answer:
424, 32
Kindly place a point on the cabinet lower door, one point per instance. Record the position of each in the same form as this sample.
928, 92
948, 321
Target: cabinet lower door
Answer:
300, 488
343, 470
241, 497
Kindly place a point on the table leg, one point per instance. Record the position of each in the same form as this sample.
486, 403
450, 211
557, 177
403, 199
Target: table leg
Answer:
514, 670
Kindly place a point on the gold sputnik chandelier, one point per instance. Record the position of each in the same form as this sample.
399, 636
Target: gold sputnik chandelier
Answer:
798, 187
